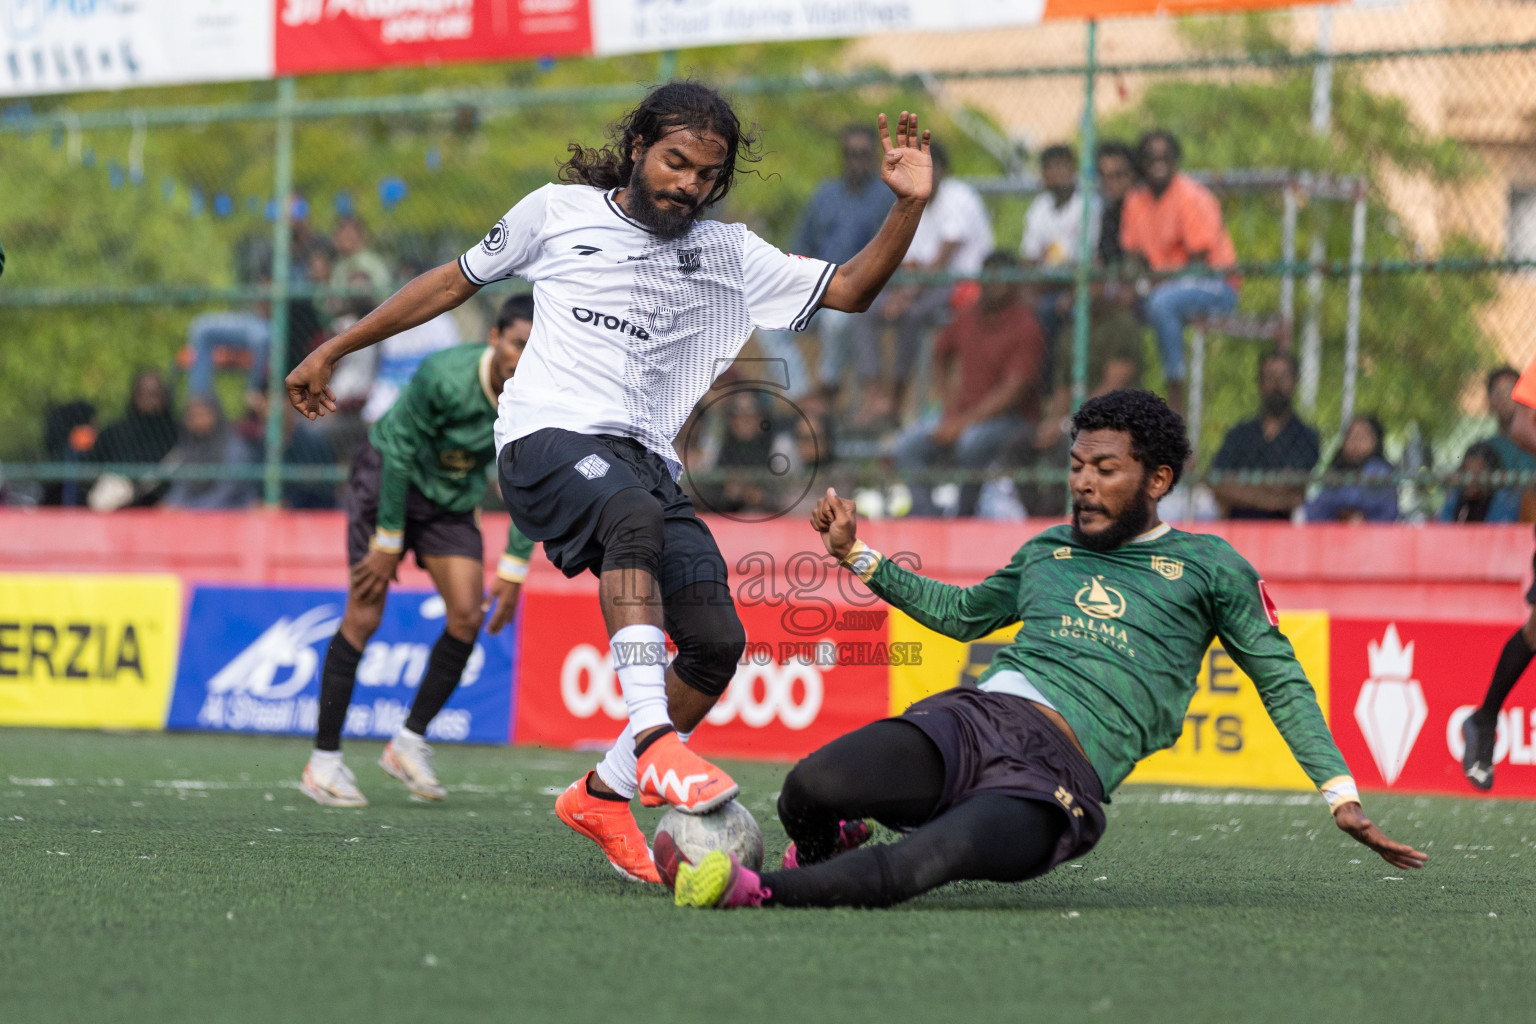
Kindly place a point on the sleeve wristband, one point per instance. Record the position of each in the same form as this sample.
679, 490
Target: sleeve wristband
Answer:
862, 560
512, 569
392, 541
1338, 791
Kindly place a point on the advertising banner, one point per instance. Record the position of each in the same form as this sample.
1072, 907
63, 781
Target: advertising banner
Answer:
88, 651
1403, 688
801, 683
116, 44
1228, 739
252, 658
345, 35
632, 26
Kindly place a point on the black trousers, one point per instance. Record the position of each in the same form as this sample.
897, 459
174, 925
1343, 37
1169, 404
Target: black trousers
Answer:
892, 772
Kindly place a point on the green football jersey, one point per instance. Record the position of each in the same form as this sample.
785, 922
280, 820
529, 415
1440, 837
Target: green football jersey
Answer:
1114, 640
438, 438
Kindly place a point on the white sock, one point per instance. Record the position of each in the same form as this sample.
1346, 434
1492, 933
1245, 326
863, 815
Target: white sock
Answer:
640, 658
325, 758
410, 738
618, 768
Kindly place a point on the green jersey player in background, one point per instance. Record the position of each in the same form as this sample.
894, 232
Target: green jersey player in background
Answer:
1005, 781
415, 486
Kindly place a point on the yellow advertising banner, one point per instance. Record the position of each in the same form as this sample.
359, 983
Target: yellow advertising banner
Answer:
93, 651
1228, 739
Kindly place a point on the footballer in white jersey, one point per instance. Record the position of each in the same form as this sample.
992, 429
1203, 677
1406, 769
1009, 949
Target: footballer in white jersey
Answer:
640, 304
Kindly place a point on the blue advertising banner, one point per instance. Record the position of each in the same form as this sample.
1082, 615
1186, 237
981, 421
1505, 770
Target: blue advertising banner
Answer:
252, 657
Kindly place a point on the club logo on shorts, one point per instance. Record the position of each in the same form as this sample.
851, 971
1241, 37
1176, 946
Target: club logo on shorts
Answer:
1168, 568
592, 467
1099, 601
496, 239
688, 260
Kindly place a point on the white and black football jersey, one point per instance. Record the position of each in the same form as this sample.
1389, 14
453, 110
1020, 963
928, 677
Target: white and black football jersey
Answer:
630, 329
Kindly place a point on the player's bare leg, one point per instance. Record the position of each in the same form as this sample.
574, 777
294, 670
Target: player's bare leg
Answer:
1480, 730
407, 756
326, 779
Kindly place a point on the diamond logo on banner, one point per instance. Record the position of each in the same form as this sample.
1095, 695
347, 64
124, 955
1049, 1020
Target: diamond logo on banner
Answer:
1391, 709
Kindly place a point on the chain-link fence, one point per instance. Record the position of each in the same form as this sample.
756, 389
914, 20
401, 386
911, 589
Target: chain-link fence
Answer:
1375, 170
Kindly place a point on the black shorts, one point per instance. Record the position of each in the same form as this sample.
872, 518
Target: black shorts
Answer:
999, 743
428, 529
556, 482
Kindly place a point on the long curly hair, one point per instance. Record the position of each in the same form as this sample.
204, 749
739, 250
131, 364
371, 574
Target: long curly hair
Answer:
688, 105
1158, 437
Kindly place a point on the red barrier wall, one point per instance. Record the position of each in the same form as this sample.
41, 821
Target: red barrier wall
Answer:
1433, 571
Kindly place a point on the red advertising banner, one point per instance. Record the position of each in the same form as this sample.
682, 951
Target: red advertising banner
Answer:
344, 35
792, 694
1401, 690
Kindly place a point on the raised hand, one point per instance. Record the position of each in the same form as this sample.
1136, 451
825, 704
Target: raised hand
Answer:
907, 169
1351, 818
834, 519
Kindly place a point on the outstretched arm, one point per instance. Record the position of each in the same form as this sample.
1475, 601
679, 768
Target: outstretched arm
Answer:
908, 170
422, 298
963, 613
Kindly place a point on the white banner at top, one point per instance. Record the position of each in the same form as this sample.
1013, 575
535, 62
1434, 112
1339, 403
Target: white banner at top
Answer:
632, 26
50, 46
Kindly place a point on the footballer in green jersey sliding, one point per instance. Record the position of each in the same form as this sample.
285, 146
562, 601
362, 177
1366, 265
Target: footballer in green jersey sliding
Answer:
1006, 780
414, 487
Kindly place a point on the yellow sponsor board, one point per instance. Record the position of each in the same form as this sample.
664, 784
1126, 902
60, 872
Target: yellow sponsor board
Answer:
94, 651
1228, 739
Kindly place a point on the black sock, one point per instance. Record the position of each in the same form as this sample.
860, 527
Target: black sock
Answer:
1513, 660
336, 681
641, 746
449, 656
602, 796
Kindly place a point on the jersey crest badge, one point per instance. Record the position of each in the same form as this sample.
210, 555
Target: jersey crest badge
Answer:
496, 239
1167, 568
688, 260
1061, 553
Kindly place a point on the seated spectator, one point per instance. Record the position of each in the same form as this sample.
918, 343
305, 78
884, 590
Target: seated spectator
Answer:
987, 365
1116, 165
842, 216
1512, 457
1053, 226
144, 435
1363, 501
954, 235
1477, 501
69, 433
353, 257
207, 441
1174, 224
1276, 441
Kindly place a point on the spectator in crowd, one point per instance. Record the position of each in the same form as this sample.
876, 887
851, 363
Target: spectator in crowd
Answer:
842, 216
1275, 442
399, 355
1512, 457
1053, 226
145, 434
1372, 498
1117, 175
354, 257
955, 235
1477, 501
69, 433
1174, 224
303, 445
743, 440
987, 365
207, 440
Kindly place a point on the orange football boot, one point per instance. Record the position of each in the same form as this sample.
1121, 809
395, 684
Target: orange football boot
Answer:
670, 773
610, 825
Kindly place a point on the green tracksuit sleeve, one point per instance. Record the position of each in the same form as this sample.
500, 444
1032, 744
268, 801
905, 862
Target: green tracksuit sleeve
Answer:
963, 613
399, 437
1243, 622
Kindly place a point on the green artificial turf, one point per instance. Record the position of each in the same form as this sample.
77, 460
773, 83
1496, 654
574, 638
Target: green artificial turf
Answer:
165, 878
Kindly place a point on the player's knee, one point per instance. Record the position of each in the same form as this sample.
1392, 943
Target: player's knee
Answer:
362, 621
809, 786
630, 531
708, 654
464, 623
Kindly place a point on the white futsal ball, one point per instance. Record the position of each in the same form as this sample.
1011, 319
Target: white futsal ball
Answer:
729, 827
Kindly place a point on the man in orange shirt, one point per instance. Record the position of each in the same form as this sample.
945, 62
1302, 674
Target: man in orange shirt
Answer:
1174, 223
